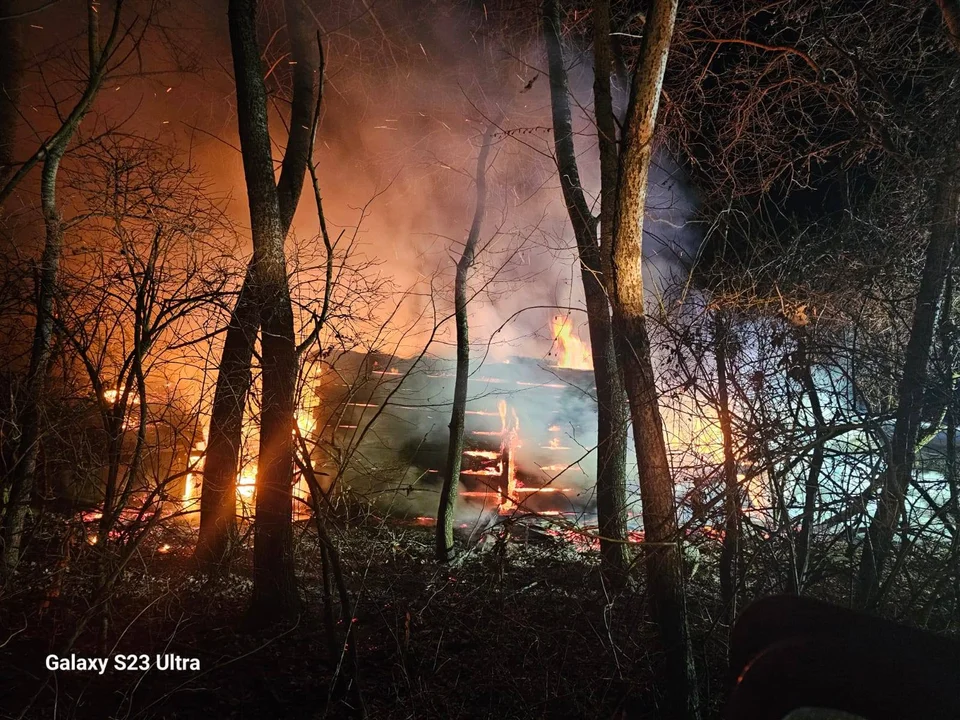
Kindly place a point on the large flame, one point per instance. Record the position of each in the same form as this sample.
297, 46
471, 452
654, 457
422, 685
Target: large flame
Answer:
571, 350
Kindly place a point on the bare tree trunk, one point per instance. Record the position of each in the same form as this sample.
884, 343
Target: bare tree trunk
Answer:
218, 493
811, 488
275, 589
657, 492
446, 513
732, 504
611, 400
22, 481
218, 501
903, 446
50, 153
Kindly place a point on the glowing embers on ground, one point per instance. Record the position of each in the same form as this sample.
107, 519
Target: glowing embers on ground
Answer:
571, 351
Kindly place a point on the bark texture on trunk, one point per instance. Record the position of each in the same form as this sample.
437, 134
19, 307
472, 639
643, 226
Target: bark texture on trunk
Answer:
275, 590
218, 492
878, 542
657, 491
218, 501
611, 400
24, 472
446, 512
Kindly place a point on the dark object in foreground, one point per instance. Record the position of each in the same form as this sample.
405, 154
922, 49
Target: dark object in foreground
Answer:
788, 653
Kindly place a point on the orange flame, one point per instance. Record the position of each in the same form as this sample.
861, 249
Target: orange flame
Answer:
571, 351
510, 429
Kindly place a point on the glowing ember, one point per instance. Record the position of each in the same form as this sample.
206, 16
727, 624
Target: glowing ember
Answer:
111, 396
485, 454
571, 351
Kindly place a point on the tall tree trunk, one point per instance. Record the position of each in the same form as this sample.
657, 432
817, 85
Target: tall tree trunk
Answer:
811, 487
218, 492
446, 513
275, 590
732, 504
611, 400
50, 153
657, 492
903, 446
22, 481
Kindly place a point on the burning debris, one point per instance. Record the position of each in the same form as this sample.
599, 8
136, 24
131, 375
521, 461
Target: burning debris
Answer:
572, 352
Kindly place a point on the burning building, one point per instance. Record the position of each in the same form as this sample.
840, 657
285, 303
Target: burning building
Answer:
382, 427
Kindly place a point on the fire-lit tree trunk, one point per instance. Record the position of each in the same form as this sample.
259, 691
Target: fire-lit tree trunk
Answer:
732, 504
50, 155
218, 502
218, 493
446, 512
903, 445
275, 591
611, 401
625, 282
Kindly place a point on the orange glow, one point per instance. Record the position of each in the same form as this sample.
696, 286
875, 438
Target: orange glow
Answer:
571, 350
485, 454
190, 496
246, 484
510, 432
112, 395
309, 403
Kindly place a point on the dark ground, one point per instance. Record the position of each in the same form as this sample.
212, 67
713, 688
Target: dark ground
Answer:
513, 630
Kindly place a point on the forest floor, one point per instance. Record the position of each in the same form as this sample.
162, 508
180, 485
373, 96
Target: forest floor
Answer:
518, 629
